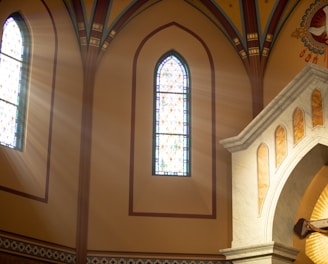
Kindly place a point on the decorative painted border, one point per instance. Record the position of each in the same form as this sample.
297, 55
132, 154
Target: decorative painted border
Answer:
118, 260
307, 39
46, 253
32, 250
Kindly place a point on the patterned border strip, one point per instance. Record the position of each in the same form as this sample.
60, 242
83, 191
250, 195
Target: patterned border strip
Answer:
118, 260
32, 250
35, 251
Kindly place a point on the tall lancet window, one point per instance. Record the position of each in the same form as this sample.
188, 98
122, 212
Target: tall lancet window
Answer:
171, 138
14, 66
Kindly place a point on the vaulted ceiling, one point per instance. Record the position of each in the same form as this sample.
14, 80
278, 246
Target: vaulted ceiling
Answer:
252, 26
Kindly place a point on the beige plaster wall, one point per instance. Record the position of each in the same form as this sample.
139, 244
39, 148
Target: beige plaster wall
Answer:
41, 182
111, 227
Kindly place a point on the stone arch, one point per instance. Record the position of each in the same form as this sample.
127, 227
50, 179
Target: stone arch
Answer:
293, 191
269, 237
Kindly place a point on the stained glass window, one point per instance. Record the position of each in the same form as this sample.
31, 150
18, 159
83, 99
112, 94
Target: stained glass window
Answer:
14, 58
171, 147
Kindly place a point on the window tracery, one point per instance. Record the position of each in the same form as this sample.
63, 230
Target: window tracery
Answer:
14, 65
171, 149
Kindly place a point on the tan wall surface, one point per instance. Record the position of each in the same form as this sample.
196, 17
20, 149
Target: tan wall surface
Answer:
111, 228
49, 163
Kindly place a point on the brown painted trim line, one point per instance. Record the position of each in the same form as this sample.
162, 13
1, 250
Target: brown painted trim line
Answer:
250, 16
272, 30
131, 170
24, 194
27, 195
89, 64
230, 32
165, 255
123, 19
90, 58
54, 73
174, 215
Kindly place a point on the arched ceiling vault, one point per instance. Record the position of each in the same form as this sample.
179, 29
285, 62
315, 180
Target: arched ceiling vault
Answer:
252, 26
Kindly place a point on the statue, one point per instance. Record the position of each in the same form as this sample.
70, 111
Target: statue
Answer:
304, 227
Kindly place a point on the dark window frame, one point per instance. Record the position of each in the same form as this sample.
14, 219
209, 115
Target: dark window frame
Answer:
23, 83
187, 112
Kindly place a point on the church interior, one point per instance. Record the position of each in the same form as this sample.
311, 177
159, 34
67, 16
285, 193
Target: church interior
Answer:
164, 131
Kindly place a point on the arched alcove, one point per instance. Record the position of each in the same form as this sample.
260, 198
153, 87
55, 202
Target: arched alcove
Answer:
294, 189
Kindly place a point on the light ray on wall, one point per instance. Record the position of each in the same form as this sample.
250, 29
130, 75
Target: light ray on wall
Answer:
316, 247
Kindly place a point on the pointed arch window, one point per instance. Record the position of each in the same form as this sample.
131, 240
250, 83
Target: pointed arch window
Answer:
14, 67
171, 137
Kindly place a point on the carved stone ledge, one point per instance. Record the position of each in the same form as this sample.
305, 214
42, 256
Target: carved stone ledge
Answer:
311, 74
266, 253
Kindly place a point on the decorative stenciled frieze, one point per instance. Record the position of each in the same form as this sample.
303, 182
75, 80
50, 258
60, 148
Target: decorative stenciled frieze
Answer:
45, 253
32, 250
124, 260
